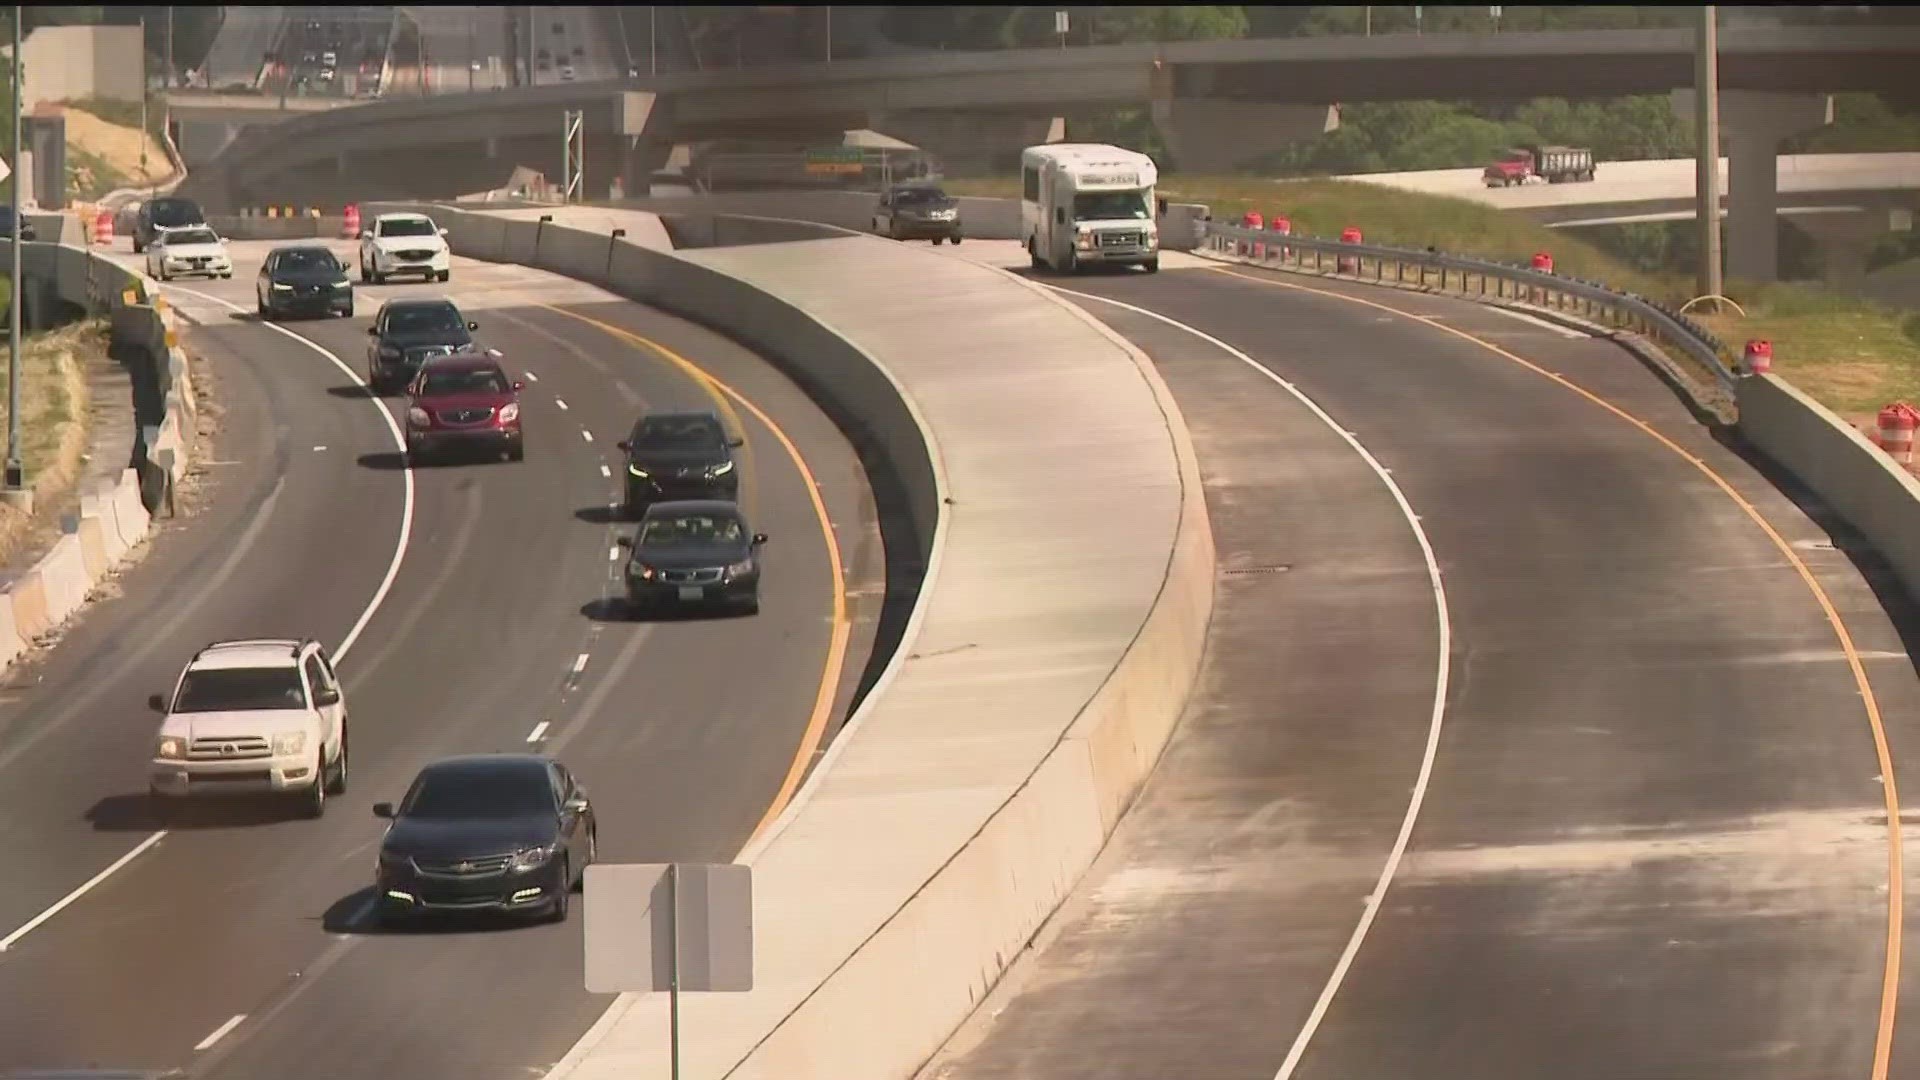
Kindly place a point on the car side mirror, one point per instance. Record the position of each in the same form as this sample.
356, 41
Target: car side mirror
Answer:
623, 445
624, 541
759, 538
156, 703
443, 232
383, 810
473, 326
736, 443
518, 386
327, 697
366, 234
577, 805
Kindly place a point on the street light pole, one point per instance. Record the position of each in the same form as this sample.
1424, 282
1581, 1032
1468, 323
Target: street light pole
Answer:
653, 52
1706, 185
15, 485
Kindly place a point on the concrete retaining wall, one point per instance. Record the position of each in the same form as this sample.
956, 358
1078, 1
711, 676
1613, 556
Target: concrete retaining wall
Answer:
1036, 682
114, 515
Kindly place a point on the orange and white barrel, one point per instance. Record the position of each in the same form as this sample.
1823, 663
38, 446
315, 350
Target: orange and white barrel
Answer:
1897, 423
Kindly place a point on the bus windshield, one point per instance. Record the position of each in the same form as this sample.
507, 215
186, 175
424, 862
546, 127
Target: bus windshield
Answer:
1111, 206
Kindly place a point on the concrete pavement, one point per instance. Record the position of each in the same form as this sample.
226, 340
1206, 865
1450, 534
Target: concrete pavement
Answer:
1652, 842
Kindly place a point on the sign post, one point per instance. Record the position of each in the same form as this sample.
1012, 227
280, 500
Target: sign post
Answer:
695, 932
1060, 27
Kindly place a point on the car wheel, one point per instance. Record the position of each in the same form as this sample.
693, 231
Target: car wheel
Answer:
562, 899
938, 240
364, 276
445, 275
955, 239
313, 801
138, 247
517, 452
379, 278
751, 606
347, 312
340, 768
1153, 265
228, 276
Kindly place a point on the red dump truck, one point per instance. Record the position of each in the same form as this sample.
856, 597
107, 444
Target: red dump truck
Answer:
1555, 164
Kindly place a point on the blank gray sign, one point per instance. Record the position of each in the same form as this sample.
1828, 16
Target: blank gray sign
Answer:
631, 921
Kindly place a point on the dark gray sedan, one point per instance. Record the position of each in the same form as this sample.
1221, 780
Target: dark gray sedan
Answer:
694, 553
917, 212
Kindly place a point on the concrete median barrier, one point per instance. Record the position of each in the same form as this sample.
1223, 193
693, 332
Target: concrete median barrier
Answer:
1035, 683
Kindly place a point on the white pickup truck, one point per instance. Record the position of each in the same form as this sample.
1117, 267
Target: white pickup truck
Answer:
253, 717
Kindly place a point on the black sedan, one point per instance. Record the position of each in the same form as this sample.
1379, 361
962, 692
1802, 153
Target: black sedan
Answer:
406, 333
917, 212
694, 553
303, 280
679, 456
486, 833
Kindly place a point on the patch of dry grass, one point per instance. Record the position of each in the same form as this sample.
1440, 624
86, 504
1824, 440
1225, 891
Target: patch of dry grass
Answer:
53, 433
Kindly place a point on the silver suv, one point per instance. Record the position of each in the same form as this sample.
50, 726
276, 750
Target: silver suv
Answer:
258, 716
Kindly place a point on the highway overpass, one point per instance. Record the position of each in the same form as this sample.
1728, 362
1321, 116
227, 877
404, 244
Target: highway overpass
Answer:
1218, 104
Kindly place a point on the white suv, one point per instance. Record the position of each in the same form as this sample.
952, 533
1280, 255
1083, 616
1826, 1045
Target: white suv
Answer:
404, 244
258, 716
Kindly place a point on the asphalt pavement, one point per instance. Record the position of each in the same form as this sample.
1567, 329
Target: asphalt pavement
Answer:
1650, 840
496, 622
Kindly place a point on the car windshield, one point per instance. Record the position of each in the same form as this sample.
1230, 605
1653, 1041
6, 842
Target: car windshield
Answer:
307, 259
503, 791
240, 690
691, 529
439, 383
171, 212
1111, 206
921, 197
191, 236
690, 433
408, 227
413, 320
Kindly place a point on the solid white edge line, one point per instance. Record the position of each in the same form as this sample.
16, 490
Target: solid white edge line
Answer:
1563, 331
339, 653
112, 868
562, 402
406, 473
1445, 640
219, 1033
580, 663
539, 730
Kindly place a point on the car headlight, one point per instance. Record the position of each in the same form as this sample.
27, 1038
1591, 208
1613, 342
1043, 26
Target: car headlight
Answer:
744, 566
635, 470
279, 287
1084, 241
171, 747
289, 742
509, 412
641, 571
721, 469
534, 857
417, 416
343, 284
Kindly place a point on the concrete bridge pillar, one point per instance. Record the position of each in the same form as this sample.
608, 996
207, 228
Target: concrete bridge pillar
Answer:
1752, 125
971, 144
1844, 241
1211, 136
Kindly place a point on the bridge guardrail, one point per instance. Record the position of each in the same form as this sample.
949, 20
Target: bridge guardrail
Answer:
1468, 277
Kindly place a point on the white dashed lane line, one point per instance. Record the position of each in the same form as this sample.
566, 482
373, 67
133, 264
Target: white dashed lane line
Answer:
539, 732
562, 402
580, 663
587, 435
613, 553
219, 1033
604, 471
531, 377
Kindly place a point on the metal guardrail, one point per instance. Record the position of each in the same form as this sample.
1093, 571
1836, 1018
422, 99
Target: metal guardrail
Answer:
1471, 278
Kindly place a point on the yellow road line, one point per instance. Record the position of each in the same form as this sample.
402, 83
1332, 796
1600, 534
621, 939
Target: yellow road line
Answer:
1890, 977
842, 629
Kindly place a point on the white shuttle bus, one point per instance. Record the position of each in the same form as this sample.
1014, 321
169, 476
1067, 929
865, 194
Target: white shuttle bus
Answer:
1088, 204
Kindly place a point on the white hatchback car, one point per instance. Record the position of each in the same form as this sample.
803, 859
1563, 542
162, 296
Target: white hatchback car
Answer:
404, 244
191, 250
259, 716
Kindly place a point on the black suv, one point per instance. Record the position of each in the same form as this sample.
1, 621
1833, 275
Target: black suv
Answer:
167, 213
303, 279
679, 456
407, 333
695, 552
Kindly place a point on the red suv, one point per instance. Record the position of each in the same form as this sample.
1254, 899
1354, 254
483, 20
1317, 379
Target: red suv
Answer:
463, 402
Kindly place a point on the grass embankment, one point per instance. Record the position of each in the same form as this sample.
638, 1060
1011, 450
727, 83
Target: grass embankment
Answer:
53, 432
1853, 355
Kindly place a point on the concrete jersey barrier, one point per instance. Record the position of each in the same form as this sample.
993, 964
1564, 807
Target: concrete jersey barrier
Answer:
1067, 583
114, 515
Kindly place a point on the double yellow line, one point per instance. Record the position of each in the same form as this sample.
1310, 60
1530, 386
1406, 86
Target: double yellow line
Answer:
726, 397
1890, 977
